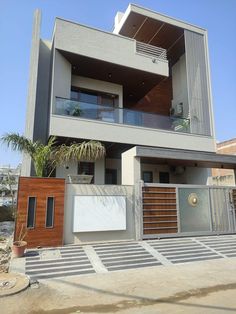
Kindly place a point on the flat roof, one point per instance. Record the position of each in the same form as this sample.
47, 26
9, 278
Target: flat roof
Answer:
187, 157
139, 10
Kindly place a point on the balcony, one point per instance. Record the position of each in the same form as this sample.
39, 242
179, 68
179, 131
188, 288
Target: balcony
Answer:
83, 110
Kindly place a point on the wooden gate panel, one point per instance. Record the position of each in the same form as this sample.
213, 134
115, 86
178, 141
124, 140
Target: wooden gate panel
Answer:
159, 210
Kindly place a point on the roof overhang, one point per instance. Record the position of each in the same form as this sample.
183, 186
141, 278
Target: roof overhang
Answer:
186, 157
138, 12
155, 29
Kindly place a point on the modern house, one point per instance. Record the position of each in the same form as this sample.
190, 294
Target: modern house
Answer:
144, 91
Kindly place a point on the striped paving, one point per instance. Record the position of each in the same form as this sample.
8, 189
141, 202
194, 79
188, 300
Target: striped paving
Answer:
125, 256
183, 250
72, 261
76, 260
226, 245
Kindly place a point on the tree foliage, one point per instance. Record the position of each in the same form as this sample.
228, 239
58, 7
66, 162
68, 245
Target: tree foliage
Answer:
47, 157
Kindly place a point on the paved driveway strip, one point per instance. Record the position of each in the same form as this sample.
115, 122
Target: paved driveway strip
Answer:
74, 260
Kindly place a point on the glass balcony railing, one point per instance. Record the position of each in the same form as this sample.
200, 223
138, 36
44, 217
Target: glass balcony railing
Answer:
67, 107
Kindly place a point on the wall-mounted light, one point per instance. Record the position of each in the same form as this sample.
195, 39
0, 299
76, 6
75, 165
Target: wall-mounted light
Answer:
109, 75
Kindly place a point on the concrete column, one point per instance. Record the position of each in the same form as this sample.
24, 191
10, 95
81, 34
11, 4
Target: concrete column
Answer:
130, 167
99, 171
131, 175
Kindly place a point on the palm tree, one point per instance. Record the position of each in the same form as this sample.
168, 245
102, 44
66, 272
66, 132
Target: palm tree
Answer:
47, 157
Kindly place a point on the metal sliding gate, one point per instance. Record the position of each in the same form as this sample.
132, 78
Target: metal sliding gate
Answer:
185, 210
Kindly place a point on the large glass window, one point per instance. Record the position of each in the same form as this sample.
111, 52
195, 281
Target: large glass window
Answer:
93, 97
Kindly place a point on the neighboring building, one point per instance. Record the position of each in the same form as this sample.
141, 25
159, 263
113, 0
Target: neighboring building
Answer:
144, 91
224, 176
8, 183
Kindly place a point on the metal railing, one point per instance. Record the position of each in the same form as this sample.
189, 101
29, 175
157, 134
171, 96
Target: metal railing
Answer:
67, 107
151, 51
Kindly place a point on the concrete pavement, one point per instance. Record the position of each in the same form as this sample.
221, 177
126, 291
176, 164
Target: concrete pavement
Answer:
134, 291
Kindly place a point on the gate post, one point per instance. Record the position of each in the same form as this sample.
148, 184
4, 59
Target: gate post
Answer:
138, 210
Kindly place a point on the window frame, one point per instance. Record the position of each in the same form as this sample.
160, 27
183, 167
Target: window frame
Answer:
149, 172
27, 216
53, 212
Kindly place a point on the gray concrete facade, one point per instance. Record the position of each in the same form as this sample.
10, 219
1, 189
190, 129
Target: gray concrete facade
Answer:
51, 76
37, 115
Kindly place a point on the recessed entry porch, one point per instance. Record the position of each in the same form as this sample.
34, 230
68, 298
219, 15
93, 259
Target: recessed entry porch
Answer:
174, 198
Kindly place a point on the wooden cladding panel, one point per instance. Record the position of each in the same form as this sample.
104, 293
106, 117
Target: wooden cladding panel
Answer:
159, 213
159, 210
150, 225
159, 206
41, 189
159, 218
158, 99
159, 190
155, 201
157, 194
160, 231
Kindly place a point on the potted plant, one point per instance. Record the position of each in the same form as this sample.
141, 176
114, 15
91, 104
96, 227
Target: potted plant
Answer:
76, 112
19, 246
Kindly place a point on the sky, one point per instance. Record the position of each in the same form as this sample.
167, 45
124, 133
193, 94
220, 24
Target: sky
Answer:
16, 18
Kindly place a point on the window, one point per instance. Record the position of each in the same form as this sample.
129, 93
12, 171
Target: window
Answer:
50, 212
164, 177
147, 176
86, 168
31, 212
111, 176
93, 97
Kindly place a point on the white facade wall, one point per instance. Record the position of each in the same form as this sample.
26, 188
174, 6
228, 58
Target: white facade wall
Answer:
71, 168
197, 175
80, 237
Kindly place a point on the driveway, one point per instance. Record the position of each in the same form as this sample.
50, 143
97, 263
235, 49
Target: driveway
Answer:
81, 260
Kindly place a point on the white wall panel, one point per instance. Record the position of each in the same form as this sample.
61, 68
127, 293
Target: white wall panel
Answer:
99, 213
